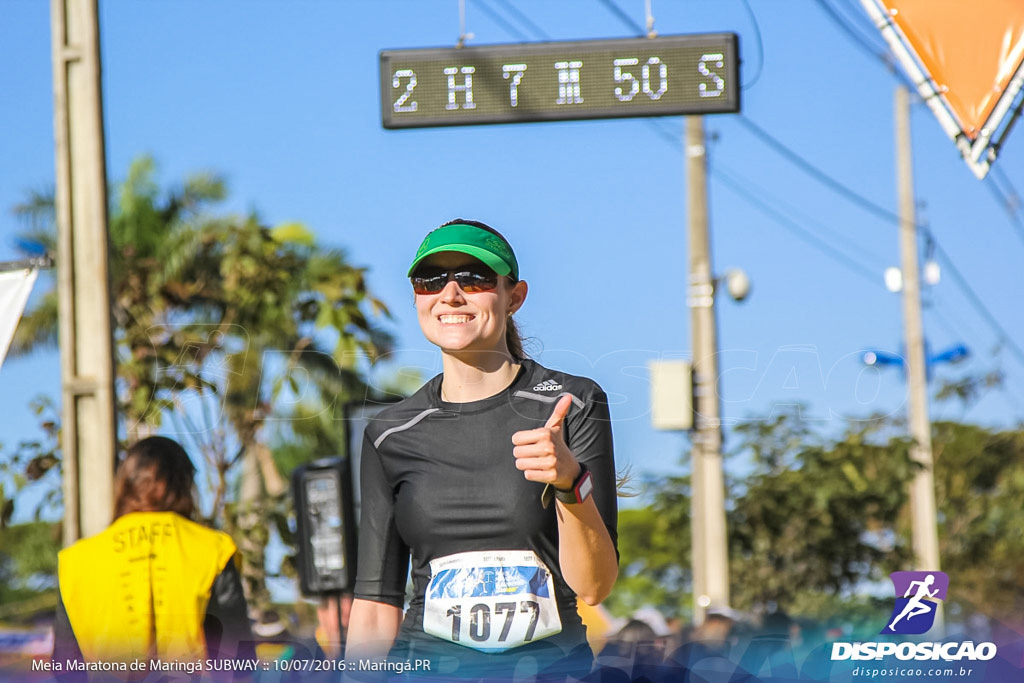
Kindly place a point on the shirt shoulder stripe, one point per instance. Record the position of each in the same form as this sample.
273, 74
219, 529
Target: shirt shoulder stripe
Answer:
549, 399
403, 427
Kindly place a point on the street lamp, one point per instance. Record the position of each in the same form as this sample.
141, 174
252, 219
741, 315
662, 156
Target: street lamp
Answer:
737, 284
952, 354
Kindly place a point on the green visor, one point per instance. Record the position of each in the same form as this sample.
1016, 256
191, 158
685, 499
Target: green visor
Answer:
468, 239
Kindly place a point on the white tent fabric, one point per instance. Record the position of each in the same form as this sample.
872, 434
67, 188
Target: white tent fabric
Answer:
15, 286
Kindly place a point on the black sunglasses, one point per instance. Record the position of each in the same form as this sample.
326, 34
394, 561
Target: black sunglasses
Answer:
471, 278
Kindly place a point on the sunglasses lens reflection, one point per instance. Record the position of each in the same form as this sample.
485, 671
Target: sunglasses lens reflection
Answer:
469, 280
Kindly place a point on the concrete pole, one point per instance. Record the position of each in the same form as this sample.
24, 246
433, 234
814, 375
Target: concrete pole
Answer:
922, 490
710, 546
86, 347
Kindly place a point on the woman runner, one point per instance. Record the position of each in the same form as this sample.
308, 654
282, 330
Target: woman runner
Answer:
496, 480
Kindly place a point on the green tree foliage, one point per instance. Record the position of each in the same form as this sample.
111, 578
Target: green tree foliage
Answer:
816, 524
979, 482
28, 549
220, 322
32, 463
814, 516
654, 551
28, 568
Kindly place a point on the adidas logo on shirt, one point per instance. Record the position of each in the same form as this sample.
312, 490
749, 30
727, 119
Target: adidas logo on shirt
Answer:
548, 385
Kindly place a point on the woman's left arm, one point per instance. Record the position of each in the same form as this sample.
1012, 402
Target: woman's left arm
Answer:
586, 553
586, 531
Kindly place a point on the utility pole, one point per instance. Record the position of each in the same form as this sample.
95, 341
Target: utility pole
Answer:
710, 546
925, 534
86, 348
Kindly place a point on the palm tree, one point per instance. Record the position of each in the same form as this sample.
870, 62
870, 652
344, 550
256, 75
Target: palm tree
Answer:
214, 317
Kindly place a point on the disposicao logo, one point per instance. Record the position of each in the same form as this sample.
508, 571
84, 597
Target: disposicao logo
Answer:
914, 612
917, 594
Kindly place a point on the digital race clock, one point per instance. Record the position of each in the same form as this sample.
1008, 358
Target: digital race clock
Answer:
593, 79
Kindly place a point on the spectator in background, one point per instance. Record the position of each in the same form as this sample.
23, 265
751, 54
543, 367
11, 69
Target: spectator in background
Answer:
154, 584
708, 652
332, 623
771, 650
277, 641
634, 650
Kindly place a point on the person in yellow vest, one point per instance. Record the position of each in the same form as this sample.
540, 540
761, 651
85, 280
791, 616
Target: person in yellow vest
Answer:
154, 585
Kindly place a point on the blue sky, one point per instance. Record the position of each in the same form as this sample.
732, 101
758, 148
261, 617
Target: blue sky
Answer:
283, 99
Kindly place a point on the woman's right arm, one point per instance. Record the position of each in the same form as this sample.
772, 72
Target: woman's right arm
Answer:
372, 629
383, 566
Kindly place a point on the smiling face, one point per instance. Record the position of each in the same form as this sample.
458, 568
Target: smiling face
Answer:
463, 324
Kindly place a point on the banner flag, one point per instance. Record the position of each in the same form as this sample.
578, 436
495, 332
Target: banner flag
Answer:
15, 286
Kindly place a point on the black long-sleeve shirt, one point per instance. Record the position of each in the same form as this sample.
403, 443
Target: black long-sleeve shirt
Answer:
439, 479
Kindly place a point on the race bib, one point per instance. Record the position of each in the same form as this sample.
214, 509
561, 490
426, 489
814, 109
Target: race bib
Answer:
491, 600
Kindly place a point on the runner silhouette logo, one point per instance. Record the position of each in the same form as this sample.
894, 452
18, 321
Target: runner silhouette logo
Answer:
917, 594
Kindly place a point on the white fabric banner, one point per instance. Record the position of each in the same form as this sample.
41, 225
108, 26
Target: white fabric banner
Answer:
15, 286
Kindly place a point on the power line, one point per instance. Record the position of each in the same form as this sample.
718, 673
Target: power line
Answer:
675, 139
760, 47
802, 233
671, 138
867, 204
858, 39
1004, 336
814, 171
771, 198
1011, 204
1011, 397
623, 17
836, 186
1014, 205
1009, 201
501, 21
631, 23
934, 312
839, 187
954, 332
523, 19
782, 149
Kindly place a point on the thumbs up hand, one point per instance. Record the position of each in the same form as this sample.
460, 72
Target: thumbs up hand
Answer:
541, 454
